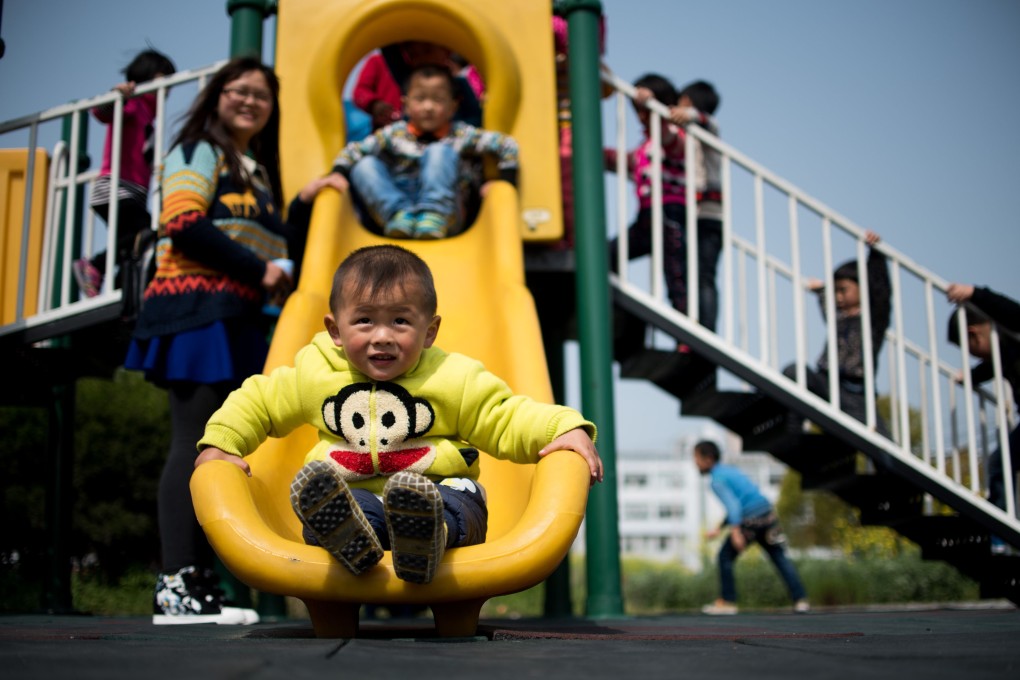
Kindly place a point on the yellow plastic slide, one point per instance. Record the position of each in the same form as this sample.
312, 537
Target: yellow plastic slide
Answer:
488, 313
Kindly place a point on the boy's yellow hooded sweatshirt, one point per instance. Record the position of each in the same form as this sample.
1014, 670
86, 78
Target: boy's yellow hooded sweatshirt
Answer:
432, 420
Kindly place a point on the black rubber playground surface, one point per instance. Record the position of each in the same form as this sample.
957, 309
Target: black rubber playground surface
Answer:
959, 641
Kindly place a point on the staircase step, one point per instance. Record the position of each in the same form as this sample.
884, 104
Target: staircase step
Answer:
953, 538
756, 417
883, 499
680, 374
629, 334
822, 460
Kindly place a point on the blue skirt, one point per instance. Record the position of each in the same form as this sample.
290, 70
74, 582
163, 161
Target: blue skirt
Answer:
226, 351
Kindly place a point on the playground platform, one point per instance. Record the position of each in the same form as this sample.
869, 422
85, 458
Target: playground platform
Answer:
952, 641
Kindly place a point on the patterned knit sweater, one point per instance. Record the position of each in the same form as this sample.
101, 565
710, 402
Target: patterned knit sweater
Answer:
214, 241
428, 421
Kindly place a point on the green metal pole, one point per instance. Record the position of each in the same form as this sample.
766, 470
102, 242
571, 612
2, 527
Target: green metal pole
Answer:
593, 309
246, 19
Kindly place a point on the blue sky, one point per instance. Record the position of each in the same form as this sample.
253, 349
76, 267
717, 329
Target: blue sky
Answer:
899, 114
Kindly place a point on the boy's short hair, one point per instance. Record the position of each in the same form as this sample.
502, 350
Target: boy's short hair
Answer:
662, 89
431, 71
975, 317
373, 270
846, 272
702, 95
146, 65
708, 450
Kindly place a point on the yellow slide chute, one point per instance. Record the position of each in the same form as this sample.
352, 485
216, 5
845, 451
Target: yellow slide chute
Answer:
488, 313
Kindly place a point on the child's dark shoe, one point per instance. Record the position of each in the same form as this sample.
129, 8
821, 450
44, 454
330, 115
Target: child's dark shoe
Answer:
414, 520
431, 226
401, 225
322, 500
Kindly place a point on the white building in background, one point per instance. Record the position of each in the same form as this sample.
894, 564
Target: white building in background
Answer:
666, 506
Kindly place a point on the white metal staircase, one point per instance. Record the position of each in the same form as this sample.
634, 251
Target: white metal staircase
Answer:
928, 480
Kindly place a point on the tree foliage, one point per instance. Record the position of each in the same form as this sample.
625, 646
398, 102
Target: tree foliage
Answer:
121, 434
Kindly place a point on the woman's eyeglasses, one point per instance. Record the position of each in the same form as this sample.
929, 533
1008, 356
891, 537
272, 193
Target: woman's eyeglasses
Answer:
242, 94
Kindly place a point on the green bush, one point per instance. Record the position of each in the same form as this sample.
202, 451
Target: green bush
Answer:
130, 595
653, 588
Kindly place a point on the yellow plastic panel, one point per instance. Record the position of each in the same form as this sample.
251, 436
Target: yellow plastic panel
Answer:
13, 184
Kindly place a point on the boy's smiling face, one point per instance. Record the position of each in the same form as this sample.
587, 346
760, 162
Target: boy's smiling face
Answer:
383, 334
429, 102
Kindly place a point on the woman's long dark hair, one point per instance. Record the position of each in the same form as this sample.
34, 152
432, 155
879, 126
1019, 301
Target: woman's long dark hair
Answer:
202, 123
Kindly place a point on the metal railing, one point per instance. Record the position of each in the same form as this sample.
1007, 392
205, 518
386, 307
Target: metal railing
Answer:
69, 185
942, 425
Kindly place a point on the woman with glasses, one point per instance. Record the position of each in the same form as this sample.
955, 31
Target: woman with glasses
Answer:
201, 330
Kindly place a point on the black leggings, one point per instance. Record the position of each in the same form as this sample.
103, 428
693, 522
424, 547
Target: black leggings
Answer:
132, 217
182, 539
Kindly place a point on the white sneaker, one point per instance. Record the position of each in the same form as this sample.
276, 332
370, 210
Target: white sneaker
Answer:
248, 616
193, 595
720, 608
802, 606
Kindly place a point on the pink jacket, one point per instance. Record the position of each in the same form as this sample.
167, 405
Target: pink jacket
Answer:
139, 114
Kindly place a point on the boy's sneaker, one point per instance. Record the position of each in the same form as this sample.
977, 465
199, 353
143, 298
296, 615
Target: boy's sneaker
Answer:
431, 226
801, 606
720, 608
401, 225
87, 276
193, 595
323, 501
417, 529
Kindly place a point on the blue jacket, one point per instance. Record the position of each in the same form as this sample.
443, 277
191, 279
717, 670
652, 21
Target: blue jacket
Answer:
738, 494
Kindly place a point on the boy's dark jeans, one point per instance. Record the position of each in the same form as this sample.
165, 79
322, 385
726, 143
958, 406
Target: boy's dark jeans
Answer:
766, 531
674, 257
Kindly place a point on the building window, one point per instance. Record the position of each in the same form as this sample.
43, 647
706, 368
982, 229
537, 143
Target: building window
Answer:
635, 479
671, 511
635, 512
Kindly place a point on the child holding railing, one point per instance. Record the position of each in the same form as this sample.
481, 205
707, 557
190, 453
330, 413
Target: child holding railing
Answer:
136, 152
696, 105
674, 209
850, 332
985, 307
